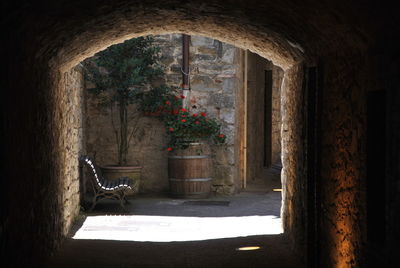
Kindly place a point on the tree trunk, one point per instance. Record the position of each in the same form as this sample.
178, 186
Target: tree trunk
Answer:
123, 144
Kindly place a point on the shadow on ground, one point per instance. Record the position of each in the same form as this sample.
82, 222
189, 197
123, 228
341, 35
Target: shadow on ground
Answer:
274, 251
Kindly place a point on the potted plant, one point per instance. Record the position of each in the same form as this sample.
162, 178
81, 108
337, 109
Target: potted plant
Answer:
182, 126
120, 75
189, 160
185, 128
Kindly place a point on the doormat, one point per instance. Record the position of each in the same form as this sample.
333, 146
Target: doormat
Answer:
206, 203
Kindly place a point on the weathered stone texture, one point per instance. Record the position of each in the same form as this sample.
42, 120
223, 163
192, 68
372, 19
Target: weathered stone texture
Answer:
71, 144
342, 165
210, 93
277, 76
147, 147
293, 162
46, 139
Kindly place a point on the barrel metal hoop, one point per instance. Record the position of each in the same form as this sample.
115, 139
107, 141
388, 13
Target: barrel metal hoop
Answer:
188, 194
189, 157
191, 179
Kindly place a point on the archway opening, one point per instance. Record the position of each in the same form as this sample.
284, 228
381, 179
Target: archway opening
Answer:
46, 41
232, 84
283, 53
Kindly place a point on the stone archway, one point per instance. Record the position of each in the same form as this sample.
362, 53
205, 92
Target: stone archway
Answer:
291, 99
268, 44
67, 33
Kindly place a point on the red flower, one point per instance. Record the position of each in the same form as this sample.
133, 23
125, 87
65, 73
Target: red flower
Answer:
197, 122
169, 149
183, 115
194, 115
183, 120
168, 103
175, 111
171, 129
183, 110
221, 136
182, 97
203, 114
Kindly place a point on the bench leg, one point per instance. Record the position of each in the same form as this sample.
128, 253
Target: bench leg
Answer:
94, 202
126, 200
122, 200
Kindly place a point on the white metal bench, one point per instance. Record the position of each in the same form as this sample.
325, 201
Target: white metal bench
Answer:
111, 189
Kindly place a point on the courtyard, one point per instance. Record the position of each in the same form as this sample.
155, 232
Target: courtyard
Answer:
159, 231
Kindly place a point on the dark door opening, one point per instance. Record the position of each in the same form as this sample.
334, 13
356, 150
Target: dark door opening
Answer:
376, 168
267, 117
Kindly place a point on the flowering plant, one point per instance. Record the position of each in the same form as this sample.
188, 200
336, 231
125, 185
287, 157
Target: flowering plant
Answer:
182, 126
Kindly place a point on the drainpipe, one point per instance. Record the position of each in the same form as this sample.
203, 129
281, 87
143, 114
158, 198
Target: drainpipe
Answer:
245, 121
185, 70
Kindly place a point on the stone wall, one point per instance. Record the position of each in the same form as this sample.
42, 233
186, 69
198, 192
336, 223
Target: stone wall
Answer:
73, 144
214, 80
343, 169
32, 209
293, 177
44, 142
147, 148
277, 79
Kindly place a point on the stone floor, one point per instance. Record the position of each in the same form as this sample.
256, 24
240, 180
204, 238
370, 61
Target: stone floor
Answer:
257, 203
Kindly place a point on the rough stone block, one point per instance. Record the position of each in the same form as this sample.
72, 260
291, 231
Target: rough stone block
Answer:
229, 55
222, 100
230, 70
203, 83
228, 115
205, 57
224, 155
229, 85
207, 51
200, 41
209, 69
230, 132
223, 175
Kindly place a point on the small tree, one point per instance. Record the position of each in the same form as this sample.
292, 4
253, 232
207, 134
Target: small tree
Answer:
121, 73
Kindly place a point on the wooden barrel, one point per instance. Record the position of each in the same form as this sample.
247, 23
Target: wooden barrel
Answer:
190, 172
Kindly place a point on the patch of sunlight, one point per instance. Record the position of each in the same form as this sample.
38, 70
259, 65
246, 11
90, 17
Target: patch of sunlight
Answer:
168, 229
248, 248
